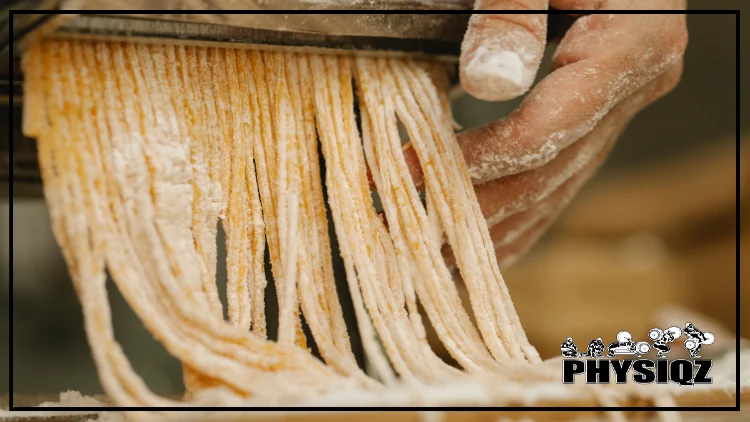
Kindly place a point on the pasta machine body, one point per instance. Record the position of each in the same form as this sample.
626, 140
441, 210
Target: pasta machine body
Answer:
348, 26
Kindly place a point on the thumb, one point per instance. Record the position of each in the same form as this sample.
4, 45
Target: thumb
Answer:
501, 53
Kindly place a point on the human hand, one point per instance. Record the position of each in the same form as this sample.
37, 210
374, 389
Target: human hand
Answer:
527, 167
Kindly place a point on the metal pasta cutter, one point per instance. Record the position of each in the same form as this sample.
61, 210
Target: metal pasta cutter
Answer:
357, 27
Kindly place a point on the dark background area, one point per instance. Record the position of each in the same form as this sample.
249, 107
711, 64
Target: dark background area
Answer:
49, 344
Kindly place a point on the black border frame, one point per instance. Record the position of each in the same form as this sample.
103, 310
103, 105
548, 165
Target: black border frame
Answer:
736, 408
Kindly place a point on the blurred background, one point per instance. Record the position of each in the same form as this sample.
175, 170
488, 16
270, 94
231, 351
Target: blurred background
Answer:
656, 227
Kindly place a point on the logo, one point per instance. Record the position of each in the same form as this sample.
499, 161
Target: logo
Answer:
596, 369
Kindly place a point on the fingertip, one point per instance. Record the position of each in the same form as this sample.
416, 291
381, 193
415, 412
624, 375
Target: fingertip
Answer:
494, 74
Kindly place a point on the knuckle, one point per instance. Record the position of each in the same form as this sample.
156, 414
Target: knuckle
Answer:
530, 23
676, 38
665, 83
671, 79
682, 37
662, 50
678, 33
564, 55
533, 23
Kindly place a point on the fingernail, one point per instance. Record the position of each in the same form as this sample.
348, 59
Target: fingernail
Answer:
497, 74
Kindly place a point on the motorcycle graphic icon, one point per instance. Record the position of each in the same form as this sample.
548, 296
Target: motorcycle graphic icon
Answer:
662, 338
696, 339
626, 346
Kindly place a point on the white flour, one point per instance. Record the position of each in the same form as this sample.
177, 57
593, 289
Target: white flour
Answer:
499, 71
503, 64
67, 399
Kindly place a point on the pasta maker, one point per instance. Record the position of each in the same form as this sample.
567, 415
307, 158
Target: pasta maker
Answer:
379, 27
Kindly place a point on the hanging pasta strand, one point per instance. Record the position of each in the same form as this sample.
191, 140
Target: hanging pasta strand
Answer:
250, 135
316, 286
340, 195
175, 227
72, 204
288, 206
237, 228
365, 245
508, 322
207, 187
321, 249
273, 96
409, 226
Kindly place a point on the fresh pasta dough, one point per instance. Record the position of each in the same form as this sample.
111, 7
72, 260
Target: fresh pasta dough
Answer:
145, 148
